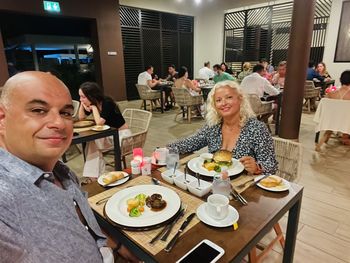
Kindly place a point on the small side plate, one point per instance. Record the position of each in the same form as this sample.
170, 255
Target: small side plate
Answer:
100, 128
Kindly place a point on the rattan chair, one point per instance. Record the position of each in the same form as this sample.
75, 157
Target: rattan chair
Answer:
76, 105
186, 102
310, 95
146, 93
262, 109
289, 157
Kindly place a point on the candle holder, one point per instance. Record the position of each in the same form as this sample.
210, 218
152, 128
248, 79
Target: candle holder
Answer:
137, 154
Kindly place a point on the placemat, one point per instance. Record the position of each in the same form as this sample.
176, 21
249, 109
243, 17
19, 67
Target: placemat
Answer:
143, 237
241, 180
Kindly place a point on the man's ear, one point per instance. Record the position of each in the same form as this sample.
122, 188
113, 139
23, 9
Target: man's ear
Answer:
2, 118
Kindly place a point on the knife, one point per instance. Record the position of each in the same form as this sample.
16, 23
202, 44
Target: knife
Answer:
176, 237
182, 212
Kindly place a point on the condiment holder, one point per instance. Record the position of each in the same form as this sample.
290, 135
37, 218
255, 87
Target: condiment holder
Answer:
191, 185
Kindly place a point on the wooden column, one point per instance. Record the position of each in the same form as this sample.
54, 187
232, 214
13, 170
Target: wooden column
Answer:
297, 62
4, 73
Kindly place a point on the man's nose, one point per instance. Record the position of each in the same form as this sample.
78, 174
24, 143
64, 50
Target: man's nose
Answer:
56, 120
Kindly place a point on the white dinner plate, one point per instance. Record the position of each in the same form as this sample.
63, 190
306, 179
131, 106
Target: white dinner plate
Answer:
196, 165
100, 128
231, 218
280, 188
116, 206
119, 182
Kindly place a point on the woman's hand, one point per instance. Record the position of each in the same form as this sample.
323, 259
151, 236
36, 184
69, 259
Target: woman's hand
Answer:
86, 107
250, 165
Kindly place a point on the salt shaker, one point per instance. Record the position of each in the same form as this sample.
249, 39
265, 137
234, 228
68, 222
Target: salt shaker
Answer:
146, 167
135, 167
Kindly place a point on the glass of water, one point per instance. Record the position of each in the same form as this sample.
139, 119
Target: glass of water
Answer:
172, 158
221, 186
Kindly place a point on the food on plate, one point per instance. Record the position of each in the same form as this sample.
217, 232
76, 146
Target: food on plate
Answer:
155, 202
220, 159
271, 181
136, 205
111, 177
99, 128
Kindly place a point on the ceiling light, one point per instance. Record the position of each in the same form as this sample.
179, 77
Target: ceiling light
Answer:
198, 1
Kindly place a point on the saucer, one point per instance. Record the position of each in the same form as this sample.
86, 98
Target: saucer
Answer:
100, 128
157, 163
231, 217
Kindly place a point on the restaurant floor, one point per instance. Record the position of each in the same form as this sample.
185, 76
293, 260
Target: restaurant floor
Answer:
324, 227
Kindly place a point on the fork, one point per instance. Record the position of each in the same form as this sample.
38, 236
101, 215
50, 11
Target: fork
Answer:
199, 181
185, 170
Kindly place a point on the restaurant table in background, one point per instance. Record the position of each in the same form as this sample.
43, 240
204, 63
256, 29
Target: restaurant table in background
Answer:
90, 135
206, 88
324, 85
278, 99
263, 211
165, 86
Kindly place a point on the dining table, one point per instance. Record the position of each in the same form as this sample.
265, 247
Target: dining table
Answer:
84, 135
256, 219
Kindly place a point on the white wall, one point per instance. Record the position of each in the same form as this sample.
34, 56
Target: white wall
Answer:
334, 69
209, 26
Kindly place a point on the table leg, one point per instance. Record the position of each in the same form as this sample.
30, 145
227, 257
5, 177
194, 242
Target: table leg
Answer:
317, 136
278, 113
161, 101
117, 156
292, 230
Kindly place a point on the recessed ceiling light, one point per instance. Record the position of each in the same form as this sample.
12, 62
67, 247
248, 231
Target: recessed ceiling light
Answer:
198, 1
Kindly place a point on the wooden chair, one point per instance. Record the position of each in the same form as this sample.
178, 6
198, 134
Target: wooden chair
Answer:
186, 101
76, 105
310, 95
146, 93
262, 109
289, 157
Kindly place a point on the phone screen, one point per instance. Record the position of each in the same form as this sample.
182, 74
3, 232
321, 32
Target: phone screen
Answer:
203, 253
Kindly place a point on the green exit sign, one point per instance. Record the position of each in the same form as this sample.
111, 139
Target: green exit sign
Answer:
52, 6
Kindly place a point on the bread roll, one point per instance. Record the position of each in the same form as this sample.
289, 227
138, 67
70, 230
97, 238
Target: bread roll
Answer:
112, 177
271, 181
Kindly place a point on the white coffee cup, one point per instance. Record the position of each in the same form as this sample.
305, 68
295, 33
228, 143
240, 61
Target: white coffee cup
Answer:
160, 155
217, 206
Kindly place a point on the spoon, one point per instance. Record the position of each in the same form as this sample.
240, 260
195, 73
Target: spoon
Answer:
174, 174
199, 181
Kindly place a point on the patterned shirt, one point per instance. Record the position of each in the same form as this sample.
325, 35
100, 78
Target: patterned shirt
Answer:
39, 221
254, 140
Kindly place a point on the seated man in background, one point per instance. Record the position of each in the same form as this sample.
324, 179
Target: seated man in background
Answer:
44, 215
206, 72
172, 76
311, 73
220, 75
255, 83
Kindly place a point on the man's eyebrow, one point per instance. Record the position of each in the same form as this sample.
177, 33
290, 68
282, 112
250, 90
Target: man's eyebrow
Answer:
44, 103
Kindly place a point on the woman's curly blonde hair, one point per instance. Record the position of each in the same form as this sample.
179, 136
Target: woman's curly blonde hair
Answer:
213, 117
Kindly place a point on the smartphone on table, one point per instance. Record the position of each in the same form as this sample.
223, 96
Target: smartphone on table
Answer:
205, 252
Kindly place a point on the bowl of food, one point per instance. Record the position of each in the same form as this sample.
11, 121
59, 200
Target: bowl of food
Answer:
182, 183
200, 189
169, 175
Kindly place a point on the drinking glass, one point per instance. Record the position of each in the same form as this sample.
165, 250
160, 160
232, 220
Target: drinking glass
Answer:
172, 158
221, 186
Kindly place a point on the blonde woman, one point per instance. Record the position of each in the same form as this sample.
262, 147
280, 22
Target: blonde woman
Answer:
322, 70
246, 71
231, 125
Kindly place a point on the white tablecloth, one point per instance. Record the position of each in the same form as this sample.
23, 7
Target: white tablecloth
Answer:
333, 115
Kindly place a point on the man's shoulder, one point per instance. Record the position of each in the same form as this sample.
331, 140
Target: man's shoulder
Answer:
8, 188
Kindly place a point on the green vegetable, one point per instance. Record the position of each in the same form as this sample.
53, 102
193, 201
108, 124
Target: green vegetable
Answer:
134, 212
141, 198
217, 169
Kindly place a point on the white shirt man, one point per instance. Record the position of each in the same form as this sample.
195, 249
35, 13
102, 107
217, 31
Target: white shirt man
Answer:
145, 78
256, 84
206, 72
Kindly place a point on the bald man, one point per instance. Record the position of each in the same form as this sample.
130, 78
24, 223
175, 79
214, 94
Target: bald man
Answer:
44, 217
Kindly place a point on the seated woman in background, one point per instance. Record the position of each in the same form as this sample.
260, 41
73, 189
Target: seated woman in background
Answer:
246, 71
343, 93
225, 68
322, 70
104, 111
279, 78
231, 125
183, 82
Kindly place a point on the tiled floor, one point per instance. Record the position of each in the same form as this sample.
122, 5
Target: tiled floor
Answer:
324, 229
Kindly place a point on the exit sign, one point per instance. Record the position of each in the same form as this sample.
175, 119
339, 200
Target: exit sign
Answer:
52, 6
